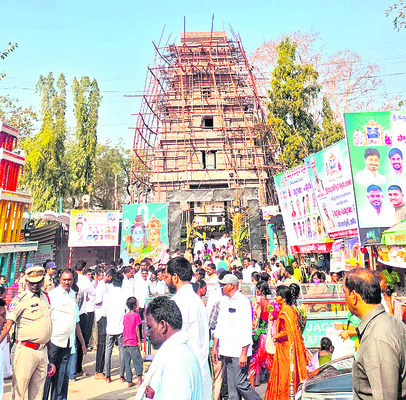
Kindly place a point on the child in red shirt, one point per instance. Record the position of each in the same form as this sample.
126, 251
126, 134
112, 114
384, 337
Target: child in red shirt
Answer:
132, 342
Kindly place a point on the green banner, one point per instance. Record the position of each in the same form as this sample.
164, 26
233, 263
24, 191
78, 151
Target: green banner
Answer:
330, 175
377, 145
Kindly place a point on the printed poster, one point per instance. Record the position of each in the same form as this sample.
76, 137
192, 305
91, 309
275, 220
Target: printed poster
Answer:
44, 252
93, 228
330, 175
377, 145
345, 255
144, 232
303, 224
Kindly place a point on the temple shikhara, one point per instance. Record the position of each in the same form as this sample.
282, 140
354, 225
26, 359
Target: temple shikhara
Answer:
197, 136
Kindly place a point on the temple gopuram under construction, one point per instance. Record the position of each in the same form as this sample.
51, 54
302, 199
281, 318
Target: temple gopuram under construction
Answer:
197, 143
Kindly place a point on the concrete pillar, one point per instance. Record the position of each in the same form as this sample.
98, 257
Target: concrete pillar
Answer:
174, 225
255, 230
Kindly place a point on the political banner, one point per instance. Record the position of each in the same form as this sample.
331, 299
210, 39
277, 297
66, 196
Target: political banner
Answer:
303, 224
93, 228
144, 232
330, 176
377, 144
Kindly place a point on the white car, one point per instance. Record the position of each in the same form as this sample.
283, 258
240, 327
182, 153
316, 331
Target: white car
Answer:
332, 381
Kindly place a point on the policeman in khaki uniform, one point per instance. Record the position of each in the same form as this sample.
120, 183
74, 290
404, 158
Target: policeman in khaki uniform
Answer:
30, 312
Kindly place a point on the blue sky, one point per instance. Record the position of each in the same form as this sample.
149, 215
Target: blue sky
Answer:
112, 41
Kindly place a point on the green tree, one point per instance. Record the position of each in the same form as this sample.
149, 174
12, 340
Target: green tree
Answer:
45, 171
18, 117
111, 180
87, 100
293, 92
332, 131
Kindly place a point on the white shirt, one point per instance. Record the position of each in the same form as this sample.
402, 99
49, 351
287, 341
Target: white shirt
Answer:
85, 285
141, 290
128, 287
100, 309
365, 177
91, 299
196, 327
212, 283
213, 298
174, 374
246, 274
234, 325
115, 309
199, 245
161, 288
62, 316
223, 241
368, 217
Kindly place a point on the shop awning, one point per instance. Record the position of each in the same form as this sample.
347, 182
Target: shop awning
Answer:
396, 235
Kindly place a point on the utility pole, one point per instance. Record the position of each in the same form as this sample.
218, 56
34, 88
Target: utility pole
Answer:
115, 192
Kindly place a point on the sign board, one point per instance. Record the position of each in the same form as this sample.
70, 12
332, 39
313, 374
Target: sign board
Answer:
209, 207
330, 175
269, 211
303, 224
144, 232
377, 147
316, 329
93, 228
44, 252
345, 254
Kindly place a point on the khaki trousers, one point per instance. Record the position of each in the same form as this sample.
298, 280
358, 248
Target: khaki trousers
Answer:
218, 375
30, 370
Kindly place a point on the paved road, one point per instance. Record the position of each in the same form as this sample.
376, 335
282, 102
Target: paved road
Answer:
88, 388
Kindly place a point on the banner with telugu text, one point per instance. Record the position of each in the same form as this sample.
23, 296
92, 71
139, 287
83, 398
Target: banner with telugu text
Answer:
377, 145
93, 228
303, 224
330, 176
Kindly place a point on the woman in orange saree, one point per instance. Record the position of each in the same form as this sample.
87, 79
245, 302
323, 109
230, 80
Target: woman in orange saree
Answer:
287, 333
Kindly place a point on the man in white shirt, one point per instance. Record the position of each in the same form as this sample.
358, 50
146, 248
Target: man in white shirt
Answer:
370, 175
115, 302
211, 280
198, 246
195, 324
174, 374
64, 322
376, 214
88, 289
141, 291
233, 339
101, 319
247, 271
128, 281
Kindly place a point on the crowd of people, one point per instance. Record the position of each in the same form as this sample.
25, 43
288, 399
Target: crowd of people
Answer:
212, 342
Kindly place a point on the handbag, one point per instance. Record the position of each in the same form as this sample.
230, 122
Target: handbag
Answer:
269, 344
